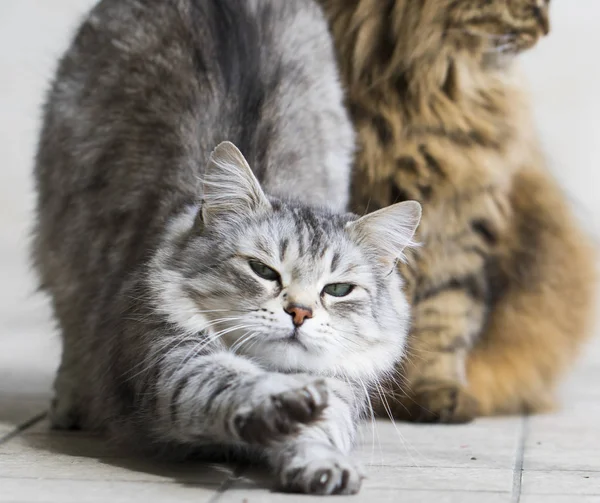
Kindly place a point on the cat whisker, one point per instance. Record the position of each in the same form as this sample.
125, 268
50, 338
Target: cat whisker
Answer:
388, 411
243, 340
374, 430
221, 333
158, 355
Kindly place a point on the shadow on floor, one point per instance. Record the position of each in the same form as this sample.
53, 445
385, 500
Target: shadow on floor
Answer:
210, 472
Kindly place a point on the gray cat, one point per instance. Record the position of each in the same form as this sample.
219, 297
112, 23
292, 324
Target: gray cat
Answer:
198, 313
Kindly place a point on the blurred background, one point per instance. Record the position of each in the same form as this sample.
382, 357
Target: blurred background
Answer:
564, 79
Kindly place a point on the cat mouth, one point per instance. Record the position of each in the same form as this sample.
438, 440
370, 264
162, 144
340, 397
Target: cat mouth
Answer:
294, 339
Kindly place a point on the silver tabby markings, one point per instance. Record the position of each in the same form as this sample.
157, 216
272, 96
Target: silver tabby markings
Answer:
198, 313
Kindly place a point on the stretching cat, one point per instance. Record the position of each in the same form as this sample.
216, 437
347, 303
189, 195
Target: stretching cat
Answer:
502, 288
197, 313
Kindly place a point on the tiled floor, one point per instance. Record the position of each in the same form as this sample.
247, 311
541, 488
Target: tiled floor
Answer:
546, 459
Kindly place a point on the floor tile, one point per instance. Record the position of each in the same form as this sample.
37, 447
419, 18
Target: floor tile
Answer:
575, 483
17, 410
248, 495
42, 427
439, 479
568, 498
59, 445
555, 450
384, 479
47, 466
76, 491
485, 443
84, 457
569, 439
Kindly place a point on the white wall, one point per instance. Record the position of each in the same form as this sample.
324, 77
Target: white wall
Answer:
564, 81
33, 33
564, 71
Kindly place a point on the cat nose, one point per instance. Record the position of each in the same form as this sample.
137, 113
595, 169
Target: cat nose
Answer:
298, 313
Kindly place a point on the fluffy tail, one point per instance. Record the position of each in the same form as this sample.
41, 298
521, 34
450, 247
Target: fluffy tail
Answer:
544, 312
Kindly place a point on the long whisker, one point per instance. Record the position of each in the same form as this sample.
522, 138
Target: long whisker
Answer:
198, 349
374, 430
388, 411
241, 341
157, 356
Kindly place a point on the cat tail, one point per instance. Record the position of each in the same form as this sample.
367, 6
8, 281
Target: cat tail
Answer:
544, 314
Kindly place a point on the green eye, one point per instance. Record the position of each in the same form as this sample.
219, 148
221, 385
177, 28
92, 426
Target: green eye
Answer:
264, 271
338, 289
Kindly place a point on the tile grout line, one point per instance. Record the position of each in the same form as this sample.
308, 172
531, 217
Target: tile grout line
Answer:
519, 460
22, 427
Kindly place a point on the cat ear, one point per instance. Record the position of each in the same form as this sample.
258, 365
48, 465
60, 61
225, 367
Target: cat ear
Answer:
230, 187
389, 230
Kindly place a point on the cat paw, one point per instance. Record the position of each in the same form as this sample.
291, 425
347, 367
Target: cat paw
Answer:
281, 414
328, 473
64, 414
443, 403
65, 408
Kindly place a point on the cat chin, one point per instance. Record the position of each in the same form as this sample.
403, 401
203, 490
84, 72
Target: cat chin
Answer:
289, 356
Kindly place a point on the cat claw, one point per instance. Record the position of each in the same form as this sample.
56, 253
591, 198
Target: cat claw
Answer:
331, 475
281, 414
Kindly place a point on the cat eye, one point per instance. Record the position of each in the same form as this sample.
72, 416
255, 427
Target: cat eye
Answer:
338, 289
264, 271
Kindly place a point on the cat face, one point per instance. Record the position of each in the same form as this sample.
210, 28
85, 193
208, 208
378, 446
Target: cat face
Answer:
294, 288
498, 26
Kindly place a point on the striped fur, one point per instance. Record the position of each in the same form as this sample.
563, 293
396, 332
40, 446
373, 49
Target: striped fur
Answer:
503, 284
148, 244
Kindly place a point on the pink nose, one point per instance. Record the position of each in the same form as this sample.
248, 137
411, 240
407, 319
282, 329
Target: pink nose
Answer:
298, 313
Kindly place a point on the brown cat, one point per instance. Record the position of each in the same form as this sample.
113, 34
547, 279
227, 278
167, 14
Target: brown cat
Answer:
503, 285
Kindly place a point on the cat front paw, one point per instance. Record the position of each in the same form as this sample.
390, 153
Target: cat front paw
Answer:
321, 470
444, 403
281, 414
